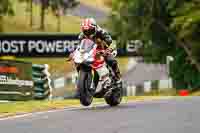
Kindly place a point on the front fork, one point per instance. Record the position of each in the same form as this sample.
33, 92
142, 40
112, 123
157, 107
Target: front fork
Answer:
87, 69
104, 80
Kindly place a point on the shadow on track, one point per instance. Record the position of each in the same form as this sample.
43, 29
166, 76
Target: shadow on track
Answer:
104, 107
132, 105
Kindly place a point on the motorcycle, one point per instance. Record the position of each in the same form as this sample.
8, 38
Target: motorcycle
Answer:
95, 77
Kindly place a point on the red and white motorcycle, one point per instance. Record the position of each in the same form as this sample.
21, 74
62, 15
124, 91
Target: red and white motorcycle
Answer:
95, 77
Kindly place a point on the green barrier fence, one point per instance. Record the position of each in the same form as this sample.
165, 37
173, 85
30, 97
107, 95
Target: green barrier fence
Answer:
42, 88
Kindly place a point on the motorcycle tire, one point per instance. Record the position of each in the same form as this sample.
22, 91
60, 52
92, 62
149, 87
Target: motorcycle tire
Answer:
86, 97
115, 98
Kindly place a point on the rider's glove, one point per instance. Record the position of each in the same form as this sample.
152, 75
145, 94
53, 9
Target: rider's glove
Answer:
70, 57
109, 51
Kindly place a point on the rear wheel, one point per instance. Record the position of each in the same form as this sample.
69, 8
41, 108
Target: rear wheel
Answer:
115, 98
86, 97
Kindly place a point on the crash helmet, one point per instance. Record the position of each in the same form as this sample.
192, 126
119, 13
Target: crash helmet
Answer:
89, 27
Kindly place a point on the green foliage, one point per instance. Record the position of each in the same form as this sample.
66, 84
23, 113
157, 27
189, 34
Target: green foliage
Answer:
5, 9
186, 25
184, 73
165, 24
127, 19
61, 6
57, 7
155, 85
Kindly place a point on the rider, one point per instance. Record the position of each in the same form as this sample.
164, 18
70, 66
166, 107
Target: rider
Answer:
90, 29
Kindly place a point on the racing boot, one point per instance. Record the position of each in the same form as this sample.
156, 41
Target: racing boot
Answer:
118, 79
107, 87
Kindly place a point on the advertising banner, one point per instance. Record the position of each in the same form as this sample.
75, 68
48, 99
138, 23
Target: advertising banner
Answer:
37, 45
49, 45
15, 80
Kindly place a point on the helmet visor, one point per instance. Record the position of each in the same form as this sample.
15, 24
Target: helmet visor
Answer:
89, 32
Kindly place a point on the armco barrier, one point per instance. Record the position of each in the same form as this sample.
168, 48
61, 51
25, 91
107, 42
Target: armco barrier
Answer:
41, 79
15, 80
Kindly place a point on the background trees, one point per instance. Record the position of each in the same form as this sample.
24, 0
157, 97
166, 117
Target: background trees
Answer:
56, 7
167, 27
5, 9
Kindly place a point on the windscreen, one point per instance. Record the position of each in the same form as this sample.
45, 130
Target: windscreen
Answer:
86, 45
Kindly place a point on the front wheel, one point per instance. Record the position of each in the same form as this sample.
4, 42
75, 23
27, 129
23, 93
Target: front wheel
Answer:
86, 97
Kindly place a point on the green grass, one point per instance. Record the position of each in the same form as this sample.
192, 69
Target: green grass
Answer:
196, 93
167, 92
20, 22
32, 106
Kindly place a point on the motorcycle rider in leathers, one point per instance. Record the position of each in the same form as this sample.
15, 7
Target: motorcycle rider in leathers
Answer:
90, 29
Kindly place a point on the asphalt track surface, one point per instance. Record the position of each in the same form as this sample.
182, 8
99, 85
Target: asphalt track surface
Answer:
163, 116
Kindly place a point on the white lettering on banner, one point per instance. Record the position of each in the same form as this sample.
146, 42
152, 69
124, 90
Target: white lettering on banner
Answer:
66, 45
21, 45
18, 48
3, 77
16, 82
59, 47
73, 45
39, 46
31, 45
15, 50
5, 46
12, 46
51, 47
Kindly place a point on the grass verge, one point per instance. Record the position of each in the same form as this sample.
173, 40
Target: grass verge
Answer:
164, 92
196, 93
14, 108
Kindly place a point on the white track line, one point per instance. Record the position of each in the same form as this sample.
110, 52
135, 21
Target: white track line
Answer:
99, 104
51, 111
